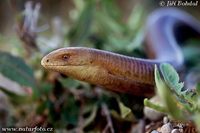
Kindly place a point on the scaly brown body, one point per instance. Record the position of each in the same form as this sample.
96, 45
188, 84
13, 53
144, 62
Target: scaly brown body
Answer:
128, 74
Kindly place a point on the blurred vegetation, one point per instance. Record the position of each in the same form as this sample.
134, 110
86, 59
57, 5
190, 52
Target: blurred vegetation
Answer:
181, 104
42, 98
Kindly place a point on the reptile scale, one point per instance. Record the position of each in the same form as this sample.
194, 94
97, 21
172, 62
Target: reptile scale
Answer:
166, 28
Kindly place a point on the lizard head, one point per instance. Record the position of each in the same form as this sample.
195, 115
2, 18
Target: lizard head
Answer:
76, 62
71, 56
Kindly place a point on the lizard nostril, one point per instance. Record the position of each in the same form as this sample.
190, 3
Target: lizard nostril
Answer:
47, 60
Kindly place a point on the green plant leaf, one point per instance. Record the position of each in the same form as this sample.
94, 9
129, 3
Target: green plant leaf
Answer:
171, 104
108, 25
69, 83
111, 4
8, 85
171, 77
125, 111
198, 88
17, 98
83, 24
15, 70
157, 107
90, 119
70, 111
135, 18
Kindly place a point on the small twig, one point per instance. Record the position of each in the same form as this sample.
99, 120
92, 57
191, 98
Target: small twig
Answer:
80, 126
31, 16
109, 125
27, 27
35, 14
27, 15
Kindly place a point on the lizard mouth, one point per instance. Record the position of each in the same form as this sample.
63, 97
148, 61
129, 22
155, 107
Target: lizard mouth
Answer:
45, 62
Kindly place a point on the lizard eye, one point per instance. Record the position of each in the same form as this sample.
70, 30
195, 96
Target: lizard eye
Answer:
65, 57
